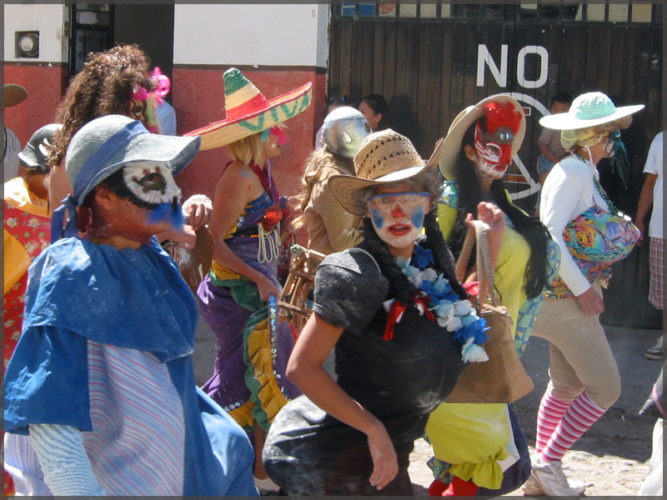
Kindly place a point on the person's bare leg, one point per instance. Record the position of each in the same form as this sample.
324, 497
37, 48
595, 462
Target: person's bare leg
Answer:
260, 439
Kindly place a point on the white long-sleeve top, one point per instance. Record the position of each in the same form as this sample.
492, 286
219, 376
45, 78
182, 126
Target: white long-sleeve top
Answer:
568, 191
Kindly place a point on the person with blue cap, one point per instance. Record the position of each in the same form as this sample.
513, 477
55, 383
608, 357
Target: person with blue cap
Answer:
100, 395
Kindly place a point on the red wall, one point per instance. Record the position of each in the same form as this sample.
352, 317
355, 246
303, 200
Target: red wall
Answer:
46, 85
198, 98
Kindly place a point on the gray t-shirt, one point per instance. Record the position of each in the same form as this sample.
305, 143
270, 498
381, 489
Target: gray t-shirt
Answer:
552, 139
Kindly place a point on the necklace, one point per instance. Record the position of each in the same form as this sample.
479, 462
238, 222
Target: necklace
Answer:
437, 300
612, 208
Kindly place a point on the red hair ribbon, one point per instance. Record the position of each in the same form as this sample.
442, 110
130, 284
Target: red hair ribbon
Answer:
396, 313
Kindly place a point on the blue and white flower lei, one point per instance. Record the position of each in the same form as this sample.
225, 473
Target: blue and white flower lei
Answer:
456, 315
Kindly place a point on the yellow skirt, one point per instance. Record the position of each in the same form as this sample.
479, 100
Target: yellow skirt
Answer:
472, 437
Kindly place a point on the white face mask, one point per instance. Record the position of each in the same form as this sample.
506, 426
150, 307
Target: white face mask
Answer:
151, 183
590, 155
398, 217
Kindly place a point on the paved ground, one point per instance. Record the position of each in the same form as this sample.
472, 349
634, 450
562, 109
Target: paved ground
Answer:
612, 456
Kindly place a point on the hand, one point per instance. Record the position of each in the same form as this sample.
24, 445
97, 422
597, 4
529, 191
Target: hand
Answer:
385, 463
197, 211
491, 214
639, 224
590, 302
266, 287
185, 236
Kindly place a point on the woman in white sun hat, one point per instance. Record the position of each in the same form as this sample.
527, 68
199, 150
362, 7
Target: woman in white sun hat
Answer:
584, 379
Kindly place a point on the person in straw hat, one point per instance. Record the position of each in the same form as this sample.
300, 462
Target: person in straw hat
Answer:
100, 397
248, 376
492, 454
584, 379
394, 313
12, 94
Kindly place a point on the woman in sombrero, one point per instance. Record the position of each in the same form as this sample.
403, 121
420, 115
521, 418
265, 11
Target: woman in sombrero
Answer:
480, 448
584, 378
392, 310
237, 297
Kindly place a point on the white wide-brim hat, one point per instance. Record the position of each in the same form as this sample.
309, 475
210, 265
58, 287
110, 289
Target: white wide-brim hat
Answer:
447, 150
588, 110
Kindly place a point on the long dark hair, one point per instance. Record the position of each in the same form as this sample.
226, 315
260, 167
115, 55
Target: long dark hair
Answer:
400, 286
470, 194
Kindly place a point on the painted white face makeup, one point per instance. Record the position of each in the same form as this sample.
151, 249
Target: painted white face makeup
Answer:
494, 151
153, 184
398, 217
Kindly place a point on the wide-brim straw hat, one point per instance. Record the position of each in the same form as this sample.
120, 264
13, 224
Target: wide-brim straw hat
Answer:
446, 152
248, 112
588, 110
384, 157
13, 94
106, 144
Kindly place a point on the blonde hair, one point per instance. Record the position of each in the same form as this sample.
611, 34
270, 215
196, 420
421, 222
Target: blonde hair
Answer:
320, 159
251, 149
248, 150
570, 139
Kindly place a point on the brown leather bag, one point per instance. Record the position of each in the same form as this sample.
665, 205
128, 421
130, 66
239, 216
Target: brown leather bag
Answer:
501, 379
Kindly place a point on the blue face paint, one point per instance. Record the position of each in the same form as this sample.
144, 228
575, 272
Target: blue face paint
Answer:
417, 218
378, 218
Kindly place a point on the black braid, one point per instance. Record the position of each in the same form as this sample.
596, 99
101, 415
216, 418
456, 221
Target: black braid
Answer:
444, 260
470, 194
400, 286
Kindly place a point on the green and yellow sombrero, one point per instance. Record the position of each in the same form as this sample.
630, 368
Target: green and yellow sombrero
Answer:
248, 112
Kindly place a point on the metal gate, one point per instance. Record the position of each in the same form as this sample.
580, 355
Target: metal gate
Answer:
430, 60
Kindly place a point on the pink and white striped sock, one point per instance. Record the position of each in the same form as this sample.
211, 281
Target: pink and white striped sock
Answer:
579, 417
549, 415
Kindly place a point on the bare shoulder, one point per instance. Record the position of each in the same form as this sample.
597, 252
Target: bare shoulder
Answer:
236, 176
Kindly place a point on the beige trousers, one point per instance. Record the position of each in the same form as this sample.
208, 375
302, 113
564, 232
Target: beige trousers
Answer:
581, 358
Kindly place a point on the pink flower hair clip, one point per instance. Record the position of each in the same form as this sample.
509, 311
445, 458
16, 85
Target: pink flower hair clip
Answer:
161, 87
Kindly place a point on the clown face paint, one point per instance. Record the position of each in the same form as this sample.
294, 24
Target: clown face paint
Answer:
494, 151
398, 217
155, 186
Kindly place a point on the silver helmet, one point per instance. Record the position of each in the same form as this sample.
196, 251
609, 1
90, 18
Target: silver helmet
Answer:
343, 130
33, 156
